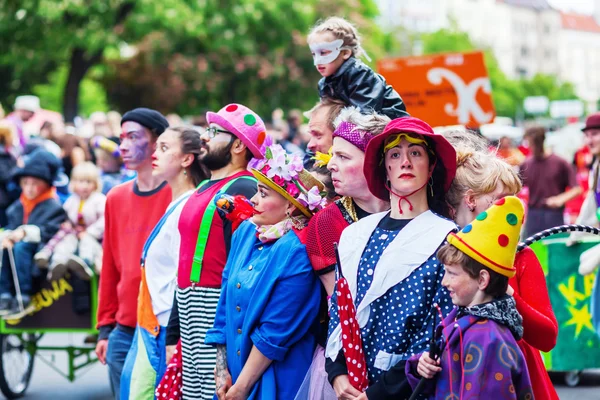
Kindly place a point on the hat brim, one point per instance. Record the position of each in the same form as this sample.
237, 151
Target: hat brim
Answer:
272, 185
22, 173
214, 118
376, 175
463, 246
588, 128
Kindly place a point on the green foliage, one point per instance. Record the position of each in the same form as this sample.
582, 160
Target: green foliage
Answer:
92, 97
255, 54
191, 54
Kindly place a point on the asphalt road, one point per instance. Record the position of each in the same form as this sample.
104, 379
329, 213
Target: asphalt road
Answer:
93, 383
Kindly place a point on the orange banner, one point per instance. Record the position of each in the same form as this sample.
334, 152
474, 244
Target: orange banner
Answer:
443, 89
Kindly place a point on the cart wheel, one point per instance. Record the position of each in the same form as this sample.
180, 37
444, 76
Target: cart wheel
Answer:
572, 378
16, 365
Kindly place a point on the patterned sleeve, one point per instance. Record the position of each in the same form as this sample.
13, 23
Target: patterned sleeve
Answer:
438, 295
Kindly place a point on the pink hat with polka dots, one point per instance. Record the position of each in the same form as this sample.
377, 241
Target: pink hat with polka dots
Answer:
243, 123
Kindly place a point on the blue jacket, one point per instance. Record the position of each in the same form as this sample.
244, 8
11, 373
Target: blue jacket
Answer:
47, 216
270, 299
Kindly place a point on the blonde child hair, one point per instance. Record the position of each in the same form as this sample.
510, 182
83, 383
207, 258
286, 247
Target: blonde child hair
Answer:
481, 172
6, 134
86, 171
340, 29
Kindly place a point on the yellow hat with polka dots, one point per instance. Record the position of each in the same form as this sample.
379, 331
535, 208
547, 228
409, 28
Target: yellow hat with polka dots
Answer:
493, 236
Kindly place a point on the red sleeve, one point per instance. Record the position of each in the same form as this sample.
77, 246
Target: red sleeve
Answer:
110, 276
540, 328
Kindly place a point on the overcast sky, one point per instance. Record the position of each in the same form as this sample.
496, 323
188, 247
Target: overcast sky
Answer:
581, 6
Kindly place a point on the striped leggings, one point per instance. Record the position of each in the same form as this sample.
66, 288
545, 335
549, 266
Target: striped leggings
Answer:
197, 309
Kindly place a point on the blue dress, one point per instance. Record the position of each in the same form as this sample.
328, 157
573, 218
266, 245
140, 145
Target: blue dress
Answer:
399, 323
270, 299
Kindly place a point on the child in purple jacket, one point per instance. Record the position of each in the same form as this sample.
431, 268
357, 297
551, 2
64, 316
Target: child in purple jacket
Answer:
479, 356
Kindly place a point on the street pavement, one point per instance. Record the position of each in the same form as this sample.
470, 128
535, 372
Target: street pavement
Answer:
93, 384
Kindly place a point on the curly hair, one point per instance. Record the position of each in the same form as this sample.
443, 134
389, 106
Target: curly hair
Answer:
373, 123
340, 29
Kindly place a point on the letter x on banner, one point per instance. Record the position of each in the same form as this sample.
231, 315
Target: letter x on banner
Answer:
443, 89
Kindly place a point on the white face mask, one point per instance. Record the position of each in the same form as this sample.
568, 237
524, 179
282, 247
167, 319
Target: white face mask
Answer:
335, 47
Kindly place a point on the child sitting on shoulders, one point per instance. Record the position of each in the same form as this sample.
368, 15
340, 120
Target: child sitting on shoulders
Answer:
76, 246
32, 220
335, 46
480, 357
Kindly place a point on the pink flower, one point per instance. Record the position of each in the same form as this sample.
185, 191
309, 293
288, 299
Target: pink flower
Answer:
292, 189
278, 180
312, 199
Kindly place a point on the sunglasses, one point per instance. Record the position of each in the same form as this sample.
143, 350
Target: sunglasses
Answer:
213, 131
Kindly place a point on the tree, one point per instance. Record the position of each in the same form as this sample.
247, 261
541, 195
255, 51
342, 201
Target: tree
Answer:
220, 50
39, 36
259, 58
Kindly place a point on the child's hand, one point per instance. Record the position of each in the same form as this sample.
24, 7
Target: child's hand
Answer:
17, 235
428, 367
65, 225
7, 243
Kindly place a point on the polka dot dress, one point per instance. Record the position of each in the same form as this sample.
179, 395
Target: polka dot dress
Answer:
399, 321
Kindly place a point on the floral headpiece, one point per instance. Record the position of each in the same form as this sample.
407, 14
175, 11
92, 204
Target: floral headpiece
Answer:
287, 172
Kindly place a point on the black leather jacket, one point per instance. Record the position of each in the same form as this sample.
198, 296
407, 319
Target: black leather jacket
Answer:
358, 85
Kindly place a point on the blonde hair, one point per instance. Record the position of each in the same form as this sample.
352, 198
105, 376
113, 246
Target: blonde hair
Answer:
373, 123
6, 134
86, 171
340, 29
481, 172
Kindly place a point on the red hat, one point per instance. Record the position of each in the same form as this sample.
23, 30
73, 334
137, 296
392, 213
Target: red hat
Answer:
592, 122
375, 173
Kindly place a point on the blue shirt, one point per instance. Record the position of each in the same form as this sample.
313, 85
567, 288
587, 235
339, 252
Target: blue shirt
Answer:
270, 299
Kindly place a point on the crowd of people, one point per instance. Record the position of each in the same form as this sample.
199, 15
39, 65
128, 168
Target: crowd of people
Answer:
351, 258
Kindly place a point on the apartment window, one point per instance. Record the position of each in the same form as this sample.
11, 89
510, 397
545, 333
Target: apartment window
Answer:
547, 28
524, 51
547, 54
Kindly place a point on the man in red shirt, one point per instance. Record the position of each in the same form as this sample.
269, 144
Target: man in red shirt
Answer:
132, 210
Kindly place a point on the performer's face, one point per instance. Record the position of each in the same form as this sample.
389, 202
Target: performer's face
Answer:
137, 145
462, 287
407, 167
168, 160
270, 206
346, 166
592, 140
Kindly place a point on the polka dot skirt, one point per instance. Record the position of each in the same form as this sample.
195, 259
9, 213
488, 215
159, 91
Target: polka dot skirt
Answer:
170, 385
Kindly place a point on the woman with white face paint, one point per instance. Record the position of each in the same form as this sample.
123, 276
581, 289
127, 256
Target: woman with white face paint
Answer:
335, 44
389, 262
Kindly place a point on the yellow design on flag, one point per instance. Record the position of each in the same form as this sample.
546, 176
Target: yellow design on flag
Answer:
581, 318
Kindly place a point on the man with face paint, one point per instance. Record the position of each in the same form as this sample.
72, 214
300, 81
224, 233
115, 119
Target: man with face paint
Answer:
132, 210
235, 134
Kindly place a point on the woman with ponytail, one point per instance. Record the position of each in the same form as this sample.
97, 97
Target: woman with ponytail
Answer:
175, 160
481, 179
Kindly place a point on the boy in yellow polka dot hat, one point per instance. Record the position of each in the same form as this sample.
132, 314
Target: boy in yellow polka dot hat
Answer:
479, 355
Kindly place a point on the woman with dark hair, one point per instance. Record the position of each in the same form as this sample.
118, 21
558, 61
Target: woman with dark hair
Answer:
176, 161
389, 262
